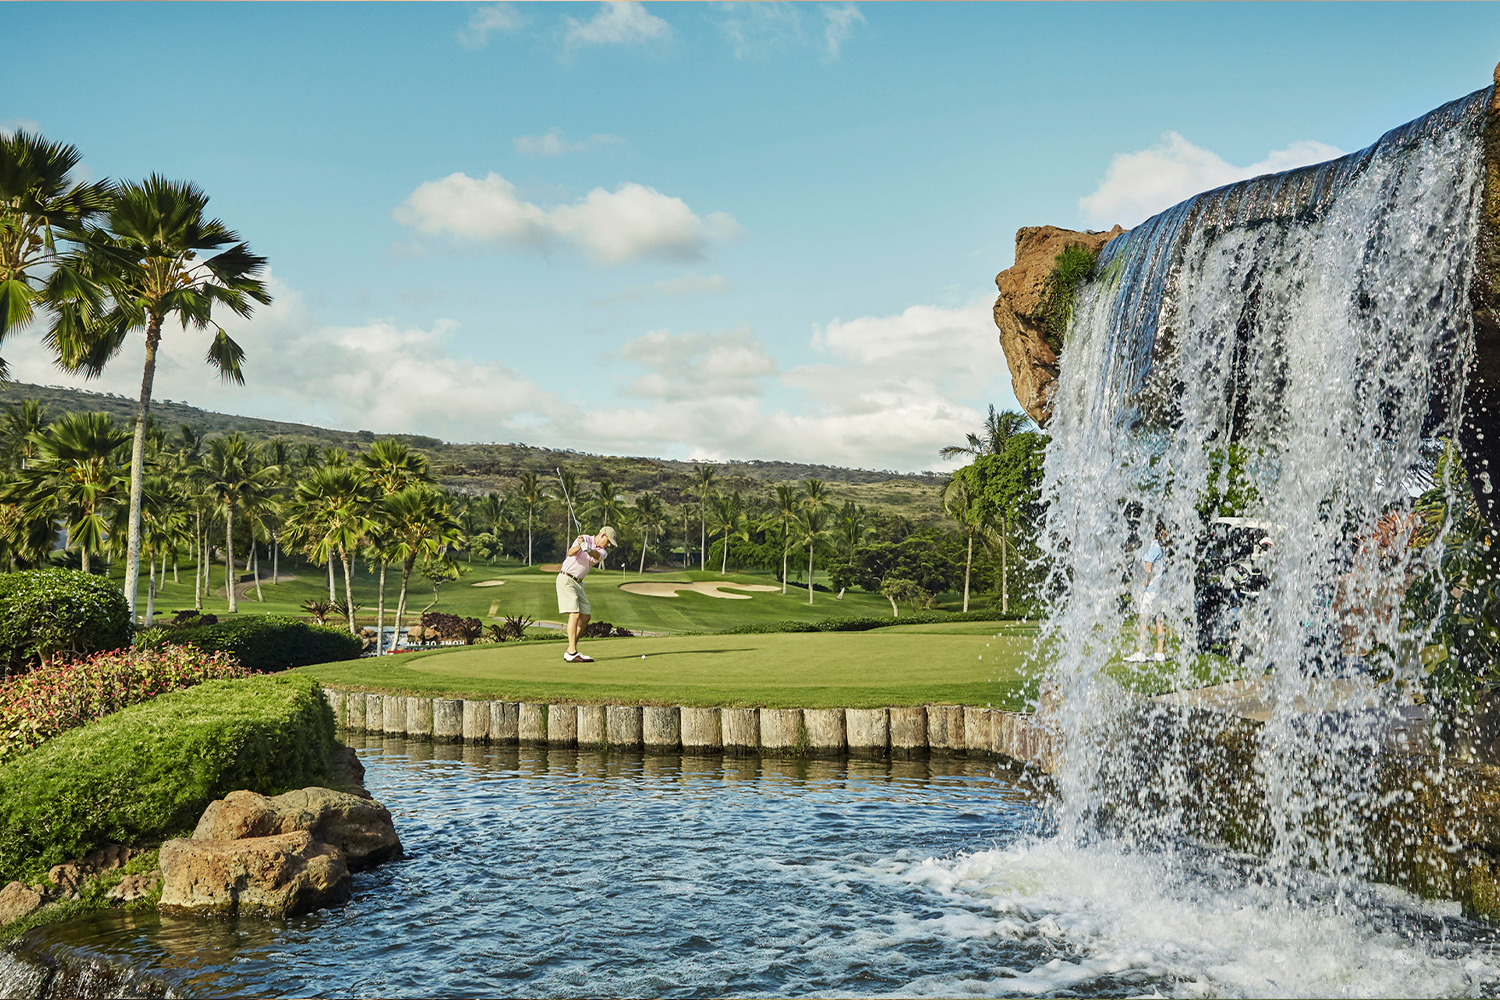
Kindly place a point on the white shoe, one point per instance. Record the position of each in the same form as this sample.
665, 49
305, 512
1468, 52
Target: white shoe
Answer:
1136, 658
1160, 657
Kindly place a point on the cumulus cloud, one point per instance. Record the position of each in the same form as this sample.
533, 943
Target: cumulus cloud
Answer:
632, 222
1138, 185
618, 22
840, 23
502, 18
887, 392
552, 143
11, 126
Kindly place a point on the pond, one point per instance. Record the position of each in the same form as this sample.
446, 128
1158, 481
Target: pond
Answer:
562, 873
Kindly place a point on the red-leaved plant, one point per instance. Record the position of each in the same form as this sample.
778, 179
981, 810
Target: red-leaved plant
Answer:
36, 706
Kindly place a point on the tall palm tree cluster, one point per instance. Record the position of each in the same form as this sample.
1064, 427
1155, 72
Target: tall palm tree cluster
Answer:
101, 262
202, 500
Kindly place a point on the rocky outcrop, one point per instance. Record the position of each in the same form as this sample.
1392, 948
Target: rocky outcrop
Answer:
275, 856
276, 876
359, 827
18, 900
1033, 362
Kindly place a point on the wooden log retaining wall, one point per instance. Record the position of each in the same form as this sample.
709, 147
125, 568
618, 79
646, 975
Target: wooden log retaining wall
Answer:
860, 732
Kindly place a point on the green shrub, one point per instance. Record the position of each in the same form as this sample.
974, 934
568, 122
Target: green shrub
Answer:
863, 623
1071, 269
265, 643
49, 700
147, 772
50, 612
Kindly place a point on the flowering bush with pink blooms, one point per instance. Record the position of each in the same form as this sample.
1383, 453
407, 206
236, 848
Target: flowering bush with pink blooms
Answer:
36, 706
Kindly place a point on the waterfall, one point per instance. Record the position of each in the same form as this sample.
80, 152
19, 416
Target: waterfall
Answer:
1299, 341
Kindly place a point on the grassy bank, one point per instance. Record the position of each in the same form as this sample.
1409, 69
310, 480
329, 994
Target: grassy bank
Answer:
147, 772
965, 663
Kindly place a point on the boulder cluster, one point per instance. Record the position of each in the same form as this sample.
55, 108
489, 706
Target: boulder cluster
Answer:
252, 854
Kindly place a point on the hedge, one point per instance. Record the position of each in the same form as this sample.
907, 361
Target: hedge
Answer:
864, 623
263, 643
49, 700
146, 773
47, 612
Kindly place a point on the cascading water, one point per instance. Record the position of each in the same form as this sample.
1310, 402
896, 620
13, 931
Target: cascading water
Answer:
1298, 341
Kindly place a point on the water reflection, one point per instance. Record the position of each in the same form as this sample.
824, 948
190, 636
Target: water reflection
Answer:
573, 872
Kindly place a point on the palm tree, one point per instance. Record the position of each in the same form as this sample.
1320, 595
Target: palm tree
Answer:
229, 476
334, 506
649, 515
783, 513
146, 259
810, 530
851, 528
705, 474
975, 516
39, 204
607, 502
76, 475
394, 466
729, 517
419, 526
532, 495
16, 429
999, 428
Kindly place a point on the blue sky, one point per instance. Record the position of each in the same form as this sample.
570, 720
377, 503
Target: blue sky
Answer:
688, 230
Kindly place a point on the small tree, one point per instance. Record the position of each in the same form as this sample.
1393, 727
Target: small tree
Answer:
905, 591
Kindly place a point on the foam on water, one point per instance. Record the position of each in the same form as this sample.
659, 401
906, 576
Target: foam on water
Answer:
1195, 924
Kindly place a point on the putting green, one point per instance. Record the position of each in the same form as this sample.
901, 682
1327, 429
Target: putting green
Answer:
806, 670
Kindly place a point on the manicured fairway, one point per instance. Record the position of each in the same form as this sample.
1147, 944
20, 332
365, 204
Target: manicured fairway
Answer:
897, 666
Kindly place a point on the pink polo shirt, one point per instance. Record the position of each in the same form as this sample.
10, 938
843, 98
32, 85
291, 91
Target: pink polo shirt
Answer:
588, 556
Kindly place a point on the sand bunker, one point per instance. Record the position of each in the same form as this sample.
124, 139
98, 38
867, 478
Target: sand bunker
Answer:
706, 587
488, 583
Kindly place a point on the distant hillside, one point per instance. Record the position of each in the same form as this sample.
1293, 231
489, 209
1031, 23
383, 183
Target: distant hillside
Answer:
494, 467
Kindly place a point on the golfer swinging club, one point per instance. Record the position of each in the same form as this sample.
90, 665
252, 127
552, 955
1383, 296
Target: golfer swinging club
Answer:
586, 552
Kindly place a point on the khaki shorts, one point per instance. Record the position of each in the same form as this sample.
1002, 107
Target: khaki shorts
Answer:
570, 596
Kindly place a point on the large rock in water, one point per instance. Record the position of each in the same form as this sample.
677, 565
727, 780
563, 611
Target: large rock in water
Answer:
277, 876
359, 827
1032, 361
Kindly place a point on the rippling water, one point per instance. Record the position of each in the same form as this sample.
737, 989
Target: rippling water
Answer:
537, 873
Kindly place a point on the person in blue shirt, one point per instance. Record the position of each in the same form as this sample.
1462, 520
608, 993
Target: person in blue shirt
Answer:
1153, 565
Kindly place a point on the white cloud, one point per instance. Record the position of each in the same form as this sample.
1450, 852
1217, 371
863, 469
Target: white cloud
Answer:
632, 222
890, 392
11, 126
618, 22
1138, 185
501, 17
760, 29
552, 143
841, 22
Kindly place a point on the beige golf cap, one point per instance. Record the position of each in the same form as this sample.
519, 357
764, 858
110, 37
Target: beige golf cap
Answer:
609, 533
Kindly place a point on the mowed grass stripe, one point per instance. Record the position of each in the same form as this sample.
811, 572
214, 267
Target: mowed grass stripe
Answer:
797, 670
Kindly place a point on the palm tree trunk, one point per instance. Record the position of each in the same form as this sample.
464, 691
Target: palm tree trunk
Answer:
784, 550
968, 564
703, 543
724, 563
406, 566
809, 574
85, 550
255, 566
234, 606
138, 466
151, 595
348, 587
275, 558
380, 614
644, 537
198, 570
333, 594
687, 557
528, 536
